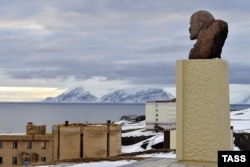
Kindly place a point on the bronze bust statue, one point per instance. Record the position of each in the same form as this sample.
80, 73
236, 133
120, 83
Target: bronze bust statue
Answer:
210, 34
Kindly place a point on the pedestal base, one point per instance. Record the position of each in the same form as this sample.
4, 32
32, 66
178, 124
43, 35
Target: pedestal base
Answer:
202, 110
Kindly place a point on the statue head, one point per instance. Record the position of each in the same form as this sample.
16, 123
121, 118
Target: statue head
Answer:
210, 33
198, 21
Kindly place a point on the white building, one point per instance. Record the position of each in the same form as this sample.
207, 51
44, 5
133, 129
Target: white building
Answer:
161, 115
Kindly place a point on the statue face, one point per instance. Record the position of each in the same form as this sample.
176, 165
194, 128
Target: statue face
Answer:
194, 28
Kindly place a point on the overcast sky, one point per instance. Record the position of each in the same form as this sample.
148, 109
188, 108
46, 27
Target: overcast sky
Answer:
105, 44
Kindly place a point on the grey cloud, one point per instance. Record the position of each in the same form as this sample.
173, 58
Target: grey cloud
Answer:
86, 38
151, 73
167, 49
56, 68
157, 72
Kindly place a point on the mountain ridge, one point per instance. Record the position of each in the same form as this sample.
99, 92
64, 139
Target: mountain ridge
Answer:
131, 95
78, 94
239, 94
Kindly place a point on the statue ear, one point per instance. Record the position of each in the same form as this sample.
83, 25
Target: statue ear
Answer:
200, 25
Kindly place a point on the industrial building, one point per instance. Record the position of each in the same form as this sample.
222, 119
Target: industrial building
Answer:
75, 140
161, 115
22, 149
67, 141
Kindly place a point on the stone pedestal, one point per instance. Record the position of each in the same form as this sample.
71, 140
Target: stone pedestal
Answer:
203, 111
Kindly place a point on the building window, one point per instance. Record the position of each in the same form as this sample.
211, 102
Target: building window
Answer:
156, 115
156, 119
14, 160
1, 144
156, 110
14, 144
43, 145
29, 144
1, 160
43, 159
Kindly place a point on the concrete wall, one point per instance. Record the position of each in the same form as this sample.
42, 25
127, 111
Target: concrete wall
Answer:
69, 142
95, 141
32, 129
115, 140
82, 141
203, 120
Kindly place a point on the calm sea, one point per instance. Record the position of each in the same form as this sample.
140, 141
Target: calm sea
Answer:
14, 116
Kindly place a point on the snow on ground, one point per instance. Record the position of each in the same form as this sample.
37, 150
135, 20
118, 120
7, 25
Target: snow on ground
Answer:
242, 114
139, 132
137, 147
94, 164
240, 120
126, 125
159, 155
138, 129
14, 134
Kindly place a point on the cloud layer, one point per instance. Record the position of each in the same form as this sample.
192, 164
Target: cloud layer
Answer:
63, 43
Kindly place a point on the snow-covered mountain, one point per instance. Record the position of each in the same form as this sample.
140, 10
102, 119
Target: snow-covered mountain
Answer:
73, 95
243, 98
133, 95
239, 93
136, 95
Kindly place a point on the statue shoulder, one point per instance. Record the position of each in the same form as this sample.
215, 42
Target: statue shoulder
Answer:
219, 27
